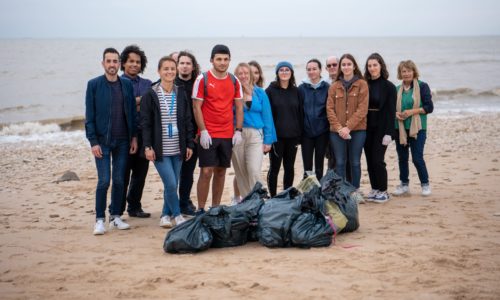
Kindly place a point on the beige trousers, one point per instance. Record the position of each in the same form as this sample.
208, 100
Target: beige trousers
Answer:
247, 160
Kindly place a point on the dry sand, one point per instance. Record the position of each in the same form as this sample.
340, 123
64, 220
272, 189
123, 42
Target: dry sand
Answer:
446, 246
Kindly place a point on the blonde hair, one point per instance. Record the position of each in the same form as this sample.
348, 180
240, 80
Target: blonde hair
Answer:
247, 88
408, 64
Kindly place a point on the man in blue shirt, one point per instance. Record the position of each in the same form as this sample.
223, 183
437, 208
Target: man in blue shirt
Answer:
111, 130
133, 63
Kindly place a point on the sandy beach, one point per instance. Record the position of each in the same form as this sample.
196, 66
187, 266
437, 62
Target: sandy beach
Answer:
446, 246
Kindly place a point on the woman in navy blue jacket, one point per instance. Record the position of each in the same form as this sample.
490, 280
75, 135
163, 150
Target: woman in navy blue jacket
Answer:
314, 91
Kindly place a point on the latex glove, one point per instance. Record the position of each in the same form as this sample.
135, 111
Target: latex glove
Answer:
205, 139
386, 140
237, 138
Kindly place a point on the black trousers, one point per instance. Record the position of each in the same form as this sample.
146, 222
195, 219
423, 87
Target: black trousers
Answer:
316, 147
135, 178
285, 149
375, 153
186, 181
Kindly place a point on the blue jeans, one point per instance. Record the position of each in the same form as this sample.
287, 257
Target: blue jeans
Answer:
117, 153
169, 169
354, 146
417, 154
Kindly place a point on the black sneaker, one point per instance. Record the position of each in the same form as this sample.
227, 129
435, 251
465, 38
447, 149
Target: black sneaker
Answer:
139, 214
199, 212
188, 211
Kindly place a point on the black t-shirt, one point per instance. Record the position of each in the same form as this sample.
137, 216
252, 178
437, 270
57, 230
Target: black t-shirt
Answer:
119, 128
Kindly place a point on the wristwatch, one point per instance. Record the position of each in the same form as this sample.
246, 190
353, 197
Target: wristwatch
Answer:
239, 129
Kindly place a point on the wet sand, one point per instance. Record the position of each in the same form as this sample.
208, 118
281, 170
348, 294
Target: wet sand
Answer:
446, 246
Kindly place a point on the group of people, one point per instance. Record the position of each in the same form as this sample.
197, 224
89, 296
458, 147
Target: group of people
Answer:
218, 118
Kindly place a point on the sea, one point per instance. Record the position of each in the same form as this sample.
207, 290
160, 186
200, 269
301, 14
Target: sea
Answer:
43, 81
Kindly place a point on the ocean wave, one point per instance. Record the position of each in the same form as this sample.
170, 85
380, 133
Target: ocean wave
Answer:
461, 62
465, 92
18, 107
37, 132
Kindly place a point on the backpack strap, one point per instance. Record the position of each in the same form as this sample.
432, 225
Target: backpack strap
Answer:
205, 78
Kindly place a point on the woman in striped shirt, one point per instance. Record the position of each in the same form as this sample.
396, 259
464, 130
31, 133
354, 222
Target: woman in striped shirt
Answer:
167, 135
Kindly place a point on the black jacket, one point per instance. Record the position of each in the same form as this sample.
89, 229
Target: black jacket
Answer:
151, 122
288, 110
188, 87
385, 116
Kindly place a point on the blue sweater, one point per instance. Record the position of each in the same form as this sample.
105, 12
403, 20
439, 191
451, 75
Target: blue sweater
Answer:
98, 110
260, 116
315, 119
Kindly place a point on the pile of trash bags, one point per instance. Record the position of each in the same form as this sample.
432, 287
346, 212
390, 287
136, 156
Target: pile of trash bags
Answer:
307, 216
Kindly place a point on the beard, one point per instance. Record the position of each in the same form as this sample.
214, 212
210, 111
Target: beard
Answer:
185, 76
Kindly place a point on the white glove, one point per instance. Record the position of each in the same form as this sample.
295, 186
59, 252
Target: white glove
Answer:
237, 138
386, 140
205, 139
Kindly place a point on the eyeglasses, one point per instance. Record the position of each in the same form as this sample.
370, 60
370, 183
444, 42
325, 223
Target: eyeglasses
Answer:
284, 70
331, 65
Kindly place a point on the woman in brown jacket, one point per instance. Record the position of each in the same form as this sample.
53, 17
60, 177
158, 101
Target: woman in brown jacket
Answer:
346, 108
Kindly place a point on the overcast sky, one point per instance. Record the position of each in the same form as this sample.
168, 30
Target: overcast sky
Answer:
252, 18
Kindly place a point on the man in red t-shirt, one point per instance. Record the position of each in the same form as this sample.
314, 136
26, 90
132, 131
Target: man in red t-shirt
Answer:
213, 103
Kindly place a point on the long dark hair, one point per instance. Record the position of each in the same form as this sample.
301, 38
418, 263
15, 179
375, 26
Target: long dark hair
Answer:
291, 82
357, 72
383, 68
133, 49
196, 66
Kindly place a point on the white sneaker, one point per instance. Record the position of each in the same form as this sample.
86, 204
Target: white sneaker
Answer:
401, 190
165, 222
371, 195
119, 224
235, 200
179, 220
426, 190
381, 197
358, 196
99, 227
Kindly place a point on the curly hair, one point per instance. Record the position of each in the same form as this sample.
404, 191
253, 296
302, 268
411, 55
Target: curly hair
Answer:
196, 66
133, 49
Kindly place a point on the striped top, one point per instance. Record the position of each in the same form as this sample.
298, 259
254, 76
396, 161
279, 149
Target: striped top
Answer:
170, 133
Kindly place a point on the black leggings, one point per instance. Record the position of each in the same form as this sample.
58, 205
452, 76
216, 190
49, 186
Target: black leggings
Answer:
285, 149
374, 153
314, 146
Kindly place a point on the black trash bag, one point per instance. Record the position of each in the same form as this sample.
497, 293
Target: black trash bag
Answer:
313, 201
218, 220
249, 207
238, 230
277, 216
311, 230
258, 192
189, 237
335, 188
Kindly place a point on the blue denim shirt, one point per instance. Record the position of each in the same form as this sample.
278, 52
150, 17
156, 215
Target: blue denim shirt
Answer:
260, 116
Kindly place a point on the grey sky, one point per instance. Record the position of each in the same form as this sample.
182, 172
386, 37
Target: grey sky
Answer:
256, 18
